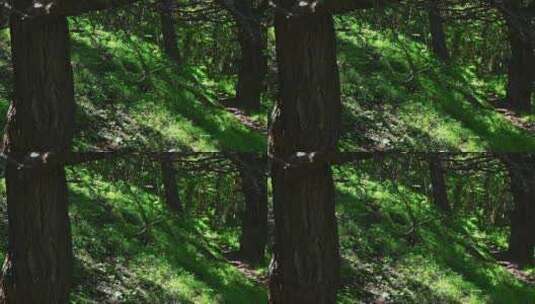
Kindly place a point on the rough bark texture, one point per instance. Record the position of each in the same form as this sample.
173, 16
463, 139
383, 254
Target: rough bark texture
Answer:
167, 21
3, 17
61, 8
37, 268
521, 74
305, 265
438, 36
254, 231
252, 37
521, 241
306, 257
253, 66
172, 198
440, 194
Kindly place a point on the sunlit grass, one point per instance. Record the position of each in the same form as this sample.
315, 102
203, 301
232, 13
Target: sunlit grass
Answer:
438, 107
441, 267
171, 261
176, 106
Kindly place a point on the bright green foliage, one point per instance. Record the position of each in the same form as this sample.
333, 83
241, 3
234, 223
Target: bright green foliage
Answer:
126, 80
397, 95
442, 262
172, 259
130, 95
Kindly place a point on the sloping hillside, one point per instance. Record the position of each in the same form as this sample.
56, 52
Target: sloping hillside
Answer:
397, 95
122, 103
397, 247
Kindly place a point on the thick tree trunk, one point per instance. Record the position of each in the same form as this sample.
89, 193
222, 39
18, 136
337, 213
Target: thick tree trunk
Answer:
440, 193
521, 74
168, 22
305, 266
172, 198
255, 218
521, 240
438, 36
3, 17
37, 268
253, 64
306, 257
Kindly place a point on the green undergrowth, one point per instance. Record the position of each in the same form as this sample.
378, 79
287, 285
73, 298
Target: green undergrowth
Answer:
129, 249
433, 260
130, 95
146, 100
398, 96
394, 245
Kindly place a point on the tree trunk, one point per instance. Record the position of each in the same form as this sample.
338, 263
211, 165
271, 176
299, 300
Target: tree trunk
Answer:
252, 37
305, 265
438, 36
521, 241
167, 20
440, 193
254, 223
3, 17
172, 198
521, 74
37, 268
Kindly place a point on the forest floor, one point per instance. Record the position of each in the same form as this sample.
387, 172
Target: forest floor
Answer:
123, 104
524, 123
247, 121
391, 259
397, 95
130, 250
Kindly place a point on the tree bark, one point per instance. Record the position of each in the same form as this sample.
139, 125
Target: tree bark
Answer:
252, 37
172, 198
438, 36
522, 177
168, 22
57, 8
3, 17
37, 268
305, 265
521, 74
440, 193
254, 231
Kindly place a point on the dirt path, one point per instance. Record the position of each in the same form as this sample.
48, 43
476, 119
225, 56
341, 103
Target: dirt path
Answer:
247, 121
248, 271
517, 121
512, 268
518, 273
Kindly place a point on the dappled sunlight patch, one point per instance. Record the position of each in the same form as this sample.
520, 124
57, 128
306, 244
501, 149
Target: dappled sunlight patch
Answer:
428, 106
447, 262
167, 106
120, 258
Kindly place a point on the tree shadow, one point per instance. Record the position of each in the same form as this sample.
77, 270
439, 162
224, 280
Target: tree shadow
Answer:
406, 82
108, 243
141, 81
376, 253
